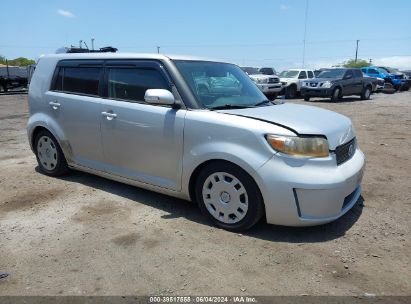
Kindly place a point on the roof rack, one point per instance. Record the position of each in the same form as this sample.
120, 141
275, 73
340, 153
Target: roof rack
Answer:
107, 49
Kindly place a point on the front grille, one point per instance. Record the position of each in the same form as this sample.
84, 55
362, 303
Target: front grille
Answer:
273, 80
313, 84
345, 151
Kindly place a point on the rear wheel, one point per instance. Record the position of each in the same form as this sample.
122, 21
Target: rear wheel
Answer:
365, 95
228, 196
336, 95
49, 155
272, 96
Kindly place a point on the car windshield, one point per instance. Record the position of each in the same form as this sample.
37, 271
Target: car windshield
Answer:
250, 70
267, 71
389, 70
220, 85
288, 74
334, 73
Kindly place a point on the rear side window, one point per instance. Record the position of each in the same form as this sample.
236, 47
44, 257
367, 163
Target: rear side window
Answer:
77, 80
131, 84
310, 74
358, 73
303, 75
81, 80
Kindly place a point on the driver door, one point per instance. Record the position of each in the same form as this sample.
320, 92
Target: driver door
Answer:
141, 141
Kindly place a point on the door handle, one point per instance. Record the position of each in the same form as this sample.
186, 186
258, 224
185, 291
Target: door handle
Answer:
54, 105
108, 115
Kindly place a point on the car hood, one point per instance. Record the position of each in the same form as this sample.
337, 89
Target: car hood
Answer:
261, 76
304, 120
288, 79
323, 79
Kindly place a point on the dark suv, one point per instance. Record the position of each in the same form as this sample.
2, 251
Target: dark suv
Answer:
336, 83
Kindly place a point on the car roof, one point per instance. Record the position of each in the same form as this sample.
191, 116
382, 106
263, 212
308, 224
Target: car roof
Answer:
109, 55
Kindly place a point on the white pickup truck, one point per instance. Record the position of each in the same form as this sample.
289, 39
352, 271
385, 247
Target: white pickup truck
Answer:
292, 79
270, 85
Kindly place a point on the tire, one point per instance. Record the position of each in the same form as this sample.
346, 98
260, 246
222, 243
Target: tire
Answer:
49, 155
291, 92
272, 96
228, 196
2, 88
365, 95
335, 97
306, 98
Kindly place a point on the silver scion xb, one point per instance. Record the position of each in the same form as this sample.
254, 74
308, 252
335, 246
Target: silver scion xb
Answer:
146, 120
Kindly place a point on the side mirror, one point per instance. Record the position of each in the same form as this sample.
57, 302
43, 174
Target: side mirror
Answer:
159, 97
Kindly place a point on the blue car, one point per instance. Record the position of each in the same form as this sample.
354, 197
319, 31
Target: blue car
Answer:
395, 80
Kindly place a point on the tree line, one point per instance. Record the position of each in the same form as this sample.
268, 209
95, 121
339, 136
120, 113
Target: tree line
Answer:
20, 61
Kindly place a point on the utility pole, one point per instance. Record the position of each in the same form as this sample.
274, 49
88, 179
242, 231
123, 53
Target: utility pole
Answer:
305, 31
158, 50
92, 44
80, 43
356, 52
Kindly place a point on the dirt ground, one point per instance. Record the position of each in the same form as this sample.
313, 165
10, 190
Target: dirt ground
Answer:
85, 235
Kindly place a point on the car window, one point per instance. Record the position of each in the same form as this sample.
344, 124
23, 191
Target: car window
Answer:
372, 71
303, 75
131, 84
348, 73
364, 70
267, 71
80, 80
58, 83
357, 73
310, 74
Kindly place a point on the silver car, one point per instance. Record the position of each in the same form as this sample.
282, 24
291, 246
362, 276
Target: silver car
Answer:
144, 120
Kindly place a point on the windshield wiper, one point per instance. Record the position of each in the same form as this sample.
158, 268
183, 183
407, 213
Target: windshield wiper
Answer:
262, 102
230, 106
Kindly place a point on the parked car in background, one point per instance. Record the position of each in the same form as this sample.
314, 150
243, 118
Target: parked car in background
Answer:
270, 85
267, 71
292, 80
336, 83
12, 78
139, 119
391, 80
378, 84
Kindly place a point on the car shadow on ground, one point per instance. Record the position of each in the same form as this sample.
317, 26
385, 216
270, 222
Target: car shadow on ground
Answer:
177, 208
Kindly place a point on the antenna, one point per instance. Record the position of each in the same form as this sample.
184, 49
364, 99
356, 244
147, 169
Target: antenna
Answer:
305, 30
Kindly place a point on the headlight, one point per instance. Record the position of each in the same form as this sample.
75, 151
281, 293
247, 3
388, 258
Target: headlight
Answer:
299, 146
327, 84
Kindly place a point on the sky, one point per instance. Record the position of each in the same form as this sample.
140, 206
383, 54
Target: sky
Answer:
251, 33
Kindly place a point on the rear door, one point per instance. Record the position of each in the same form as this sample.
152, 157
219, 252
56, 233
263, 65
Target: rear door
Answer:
74, 103
141, 141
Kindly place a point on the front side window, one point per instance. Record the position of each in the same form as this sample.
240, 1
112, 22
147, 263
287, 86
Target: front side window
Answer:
217, 84
310, 74
303, 75
372, 71
131, 84
81, 80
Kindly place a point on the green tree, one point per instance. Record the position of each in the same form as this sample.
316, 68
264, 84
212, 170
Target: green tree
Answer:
359, 64
20, 61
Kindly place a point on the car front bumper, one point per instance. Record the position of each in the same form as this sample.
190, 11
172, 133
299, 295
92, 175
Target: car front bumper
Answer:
307, 192
316, 92
268, 88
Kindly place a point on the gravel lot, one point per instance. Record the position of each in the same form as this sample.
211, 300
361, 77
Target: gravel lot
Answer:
85, 235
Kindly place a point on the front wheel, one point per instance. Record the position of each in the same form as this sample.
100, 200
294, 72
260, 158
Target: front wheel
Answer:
336, 95
228, 196
291, 92
49, 155
306, 98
